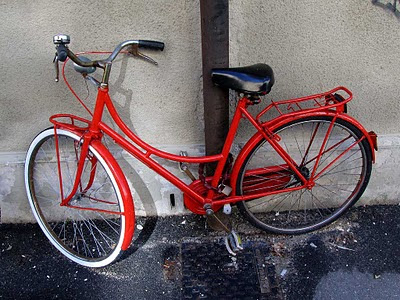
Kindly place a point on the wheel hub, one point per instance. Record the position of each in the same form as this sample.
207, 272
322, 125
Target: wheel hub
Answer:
305, 172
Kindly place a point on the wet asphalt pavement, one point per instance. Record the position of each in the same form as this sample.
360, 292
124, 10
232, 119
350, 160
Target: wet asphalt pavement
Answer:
358, 257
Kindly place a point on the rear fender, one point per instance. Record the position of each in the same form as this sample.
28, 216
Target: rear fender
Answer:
371, 136
257, 137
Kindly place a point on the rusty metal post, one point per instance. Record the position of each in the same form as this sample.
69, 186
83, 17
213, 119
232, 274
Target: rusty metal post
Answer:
215, 53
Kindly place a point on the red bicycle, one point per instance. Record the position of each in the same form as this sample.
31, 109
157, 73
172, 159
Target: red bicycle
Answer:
300, 171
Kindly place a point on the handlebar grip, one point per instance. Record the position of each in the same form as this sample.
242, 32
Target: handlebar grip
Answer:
62, 52
151, 45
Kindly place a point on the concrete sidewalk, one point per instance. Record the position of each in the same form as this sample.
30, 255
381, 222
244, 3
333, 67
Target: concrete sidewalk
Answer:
357, 257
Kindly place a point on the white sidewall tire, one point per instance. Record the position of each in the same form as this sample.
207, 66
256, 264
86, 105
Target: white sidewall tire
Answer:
94, 264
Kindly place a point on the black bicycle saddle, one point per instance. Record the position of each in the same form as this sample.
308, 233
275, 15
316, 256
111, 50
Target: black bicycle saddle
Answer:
255, 79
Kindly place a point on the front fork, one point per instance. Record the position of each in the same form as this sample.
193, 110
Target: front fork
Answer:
81, 158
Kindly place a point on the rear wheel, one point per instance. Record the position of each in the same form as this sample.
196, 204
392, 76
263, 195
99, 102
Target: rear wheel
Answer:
336, 189
92, 232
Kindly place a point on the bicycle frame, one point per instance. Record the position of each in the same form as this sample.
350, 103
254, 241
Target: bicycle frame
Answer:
96, 128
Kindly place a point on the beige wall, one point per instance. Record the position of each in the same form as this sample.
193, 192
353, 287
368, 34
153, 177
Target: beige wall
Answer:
311, 45
316, 45
169, 94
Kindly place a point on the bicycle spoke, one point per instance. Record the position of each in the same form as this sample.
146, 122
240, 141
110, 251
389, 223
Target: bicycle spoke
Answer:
312, 137
55, 174
62, 230
67, 165
292, 205
262, 200
342, 161
105, 237
324, 187
319, 201
90, 226
340, 171
108, 223
318, 210
85, 245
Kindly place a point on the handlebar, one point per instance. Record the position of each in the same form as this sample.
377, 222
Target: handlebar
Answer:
62, 40
138, 43
63, 51
151, 45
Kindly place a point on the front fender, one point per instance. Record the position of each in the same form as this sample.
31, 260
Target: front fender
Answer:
123, 186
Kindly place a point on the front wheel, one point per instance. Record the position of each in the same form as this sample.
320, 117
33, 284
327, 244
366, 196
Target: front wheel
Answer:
90, 230
345, 161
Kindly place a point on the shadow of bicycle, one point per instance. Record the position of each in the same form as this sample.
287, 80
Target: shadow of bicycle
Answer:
143, 197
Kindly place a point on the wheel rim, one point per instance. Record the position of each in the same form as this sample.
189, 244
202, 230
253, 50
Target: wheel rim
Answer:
335, 190
87, 236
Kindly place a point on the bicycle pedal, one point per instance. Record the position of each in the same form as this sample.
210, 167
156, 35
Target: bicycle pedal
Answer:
233, 243
184, 167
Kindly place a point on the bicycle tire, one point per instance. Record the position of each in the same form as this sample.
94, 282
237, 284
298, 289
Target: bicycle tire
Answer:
274, 213
91, 238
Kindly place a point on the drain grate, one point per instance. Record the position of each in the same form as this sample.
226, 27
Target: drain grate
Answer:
209, 272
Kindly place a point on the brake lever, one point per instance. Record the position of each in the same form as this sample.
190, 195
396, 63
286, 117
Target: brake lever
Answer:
55, 61
134, 50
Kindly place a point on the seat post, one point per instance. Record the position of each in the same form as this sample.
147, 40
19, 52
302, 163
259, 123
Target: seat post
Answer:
228, 143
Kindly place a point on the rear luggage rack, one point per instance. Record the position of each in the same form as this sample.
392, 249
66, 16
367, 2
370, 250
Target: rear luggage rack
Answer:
335, 99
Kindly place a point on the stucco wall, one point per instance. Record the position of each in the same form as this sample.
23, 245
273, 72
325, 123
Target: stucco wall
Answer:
170, 91
316, 45
311, 45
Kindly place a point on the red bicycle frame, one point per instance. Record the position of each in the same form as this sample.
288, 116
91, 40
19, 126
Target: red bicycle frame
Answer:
96, 128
